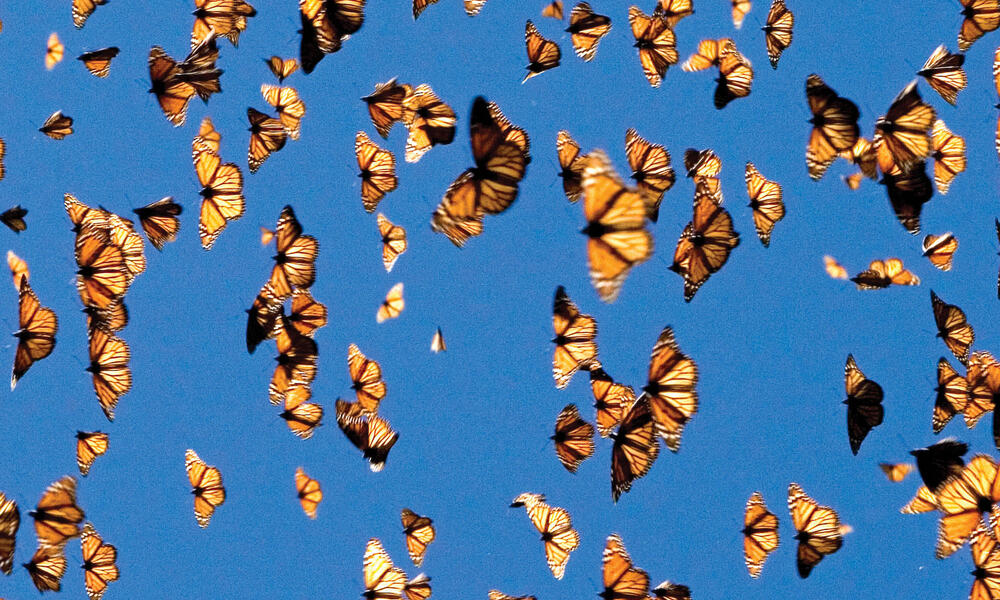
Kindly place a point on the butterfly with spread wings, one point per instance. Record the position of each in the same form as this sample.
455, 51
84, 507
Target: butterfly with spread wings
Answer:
385, 105
948, 152
109, 369
656, 43
952, 395
980, 17
221, 193
282, 67
571, 165
369, 433
611, 400
295, 259
297, 356
429, 121
558, 535
778, 31
834, 126
818, 529
735, 76
159, 221
393, 241
586, 29
99, 562
864, 404
392, 306
651, 170
98, 62
302, 416
943, 72
765, 202
54, 51
89, 445
706, 242
622, 580
573, 438
267, 136
308, 492
419, 532
366, 380
953, 328
206, 486
383, 580
982, 368
883, 273
57, 515
47, 568
288, 105
543, 53
378, 171
964, 500
760, 534
707, 55
36, 334
635, 447
575, 335
902, 133
670, 390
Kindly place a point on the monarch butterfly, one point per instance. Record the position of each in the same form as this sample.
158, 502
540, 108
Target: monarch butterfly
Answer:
267, 136
982, 366
369, 433
903, 130
199, 69
282, 67
54, 51
89, 445
953, 328
206, 486
82, 9
393, 241
366, 380
289, 106
346, 16
472, 8
553, 10
952, 395
457, 216
635, 448
923, 501
419, 588
760, 534
706, 56
295, 260
963, 501
574, 438
10, 522
527, 499
262, 317
740, 10
864, 155
571, 165
98, 62
227, 18
109, 358
543, 54
834, 126
319, 38
385, 105
266, 236
853, 181
172, 93
818, 529
705, 243
122, 234
308, 491
159, 221
47, 568
498, 595
703, 167
943, 72
939, 462
617, 238
896, 472
881, 274
419, 532
675, 10
392, 306
18, 269
940, 250
864, 404
307, 313
575, 335
99, 568
428, 120
113, 318
383, 580
611, 400
302, 416
437, 342
296, 360
656, 43
57, 126
221, 193
986, 559
948, 151
778, 31
981, 16
735, 76
586, 29
378, 171
765, 201
420, 5
102, 277
207, 139
622, 580
670, 389
908, 192
36, 334
57, 516
651, 170
558, 535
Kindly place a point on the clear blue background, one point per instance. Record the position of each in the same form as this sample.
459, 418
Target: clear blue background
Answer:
770, 332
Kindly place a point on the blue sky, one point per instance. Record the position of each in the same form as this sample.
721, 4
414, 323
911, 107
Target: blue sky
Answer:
770, 332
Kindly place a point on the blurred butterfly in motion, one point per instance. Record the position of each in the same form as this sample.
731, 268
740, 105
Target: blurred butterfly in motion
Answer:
378, 171
289, 106
896, 472
207, 139
864, 404
673, 11
385, 105
36, 334
908, 192
902, 133
651, 170
392, 306
10, 522
586, 29
703, 167
948, 152
740, 10
54, 51
282, 67
938, 462
369, 433
940, 250
735, 76
297, 355
419, 6
964, 500
226, 18
437, 342
853, 181
553, 10
172, 93
57, 126
89, 445
574, 438
670, 390
765, 201
981, 16
383, 580
834, 126
656, 43
57, 516
760, 534
635, 447
923, 501
864, 155
881, 274
206, 486
308, 491
159, 221
622, 580
99, 558
818, 529
778, 31
82, 9
267, 136
47, 568
575, 335
543, 54
98, 62
419, 532
943, 72
393, 241
953, 328
707, 55
428, 120
671, 591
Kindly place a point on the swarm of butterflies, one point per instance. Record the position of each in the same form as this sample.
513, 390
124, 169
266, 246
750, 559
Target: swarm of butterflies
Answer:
109, 253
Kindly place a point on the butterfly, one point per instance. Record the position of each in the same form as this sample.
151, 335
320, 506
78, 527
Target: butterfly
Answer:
57, 516
617, 238
622, 580
672, 591
36, 334
98, 62
295, 260
392, 306
818, 529
924, 501
611, 400
282, 67
703, 167
903, 130
308, 491
940, 249
159, 221
206, 486
102, 277
881, 274
289, 106
853, 181
982, 366
18, 269
670, 390
964, 500
706, 56
297, 354
10, 522
319, 38
57, 126
302, 416
864, 404
472, 8
574, 438
226, 18
740, 10
221, 193
835, 126
575, 335
114, 318
765, 201
419, 532
99, 568
635, 447
267, 136
735, 76
981, 16
705, 243
558, 535
656, 43
650, 164
778, 31
953, 328
378, 171
428, 120
896, 472
393, 241
543, 54
943, 72
437, 342
199, 70
366, 380
908, 192
368, 432
938, 462
553, 10
89, 445
207, 139
986, 559
586, 29
54, 51
571, 165
122, 235
948, 151
109, 358
47, 568
385, 105
383, 580
307, 314
674, 10
864, 155
82, 9
952, 395
760, 534
172, 93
